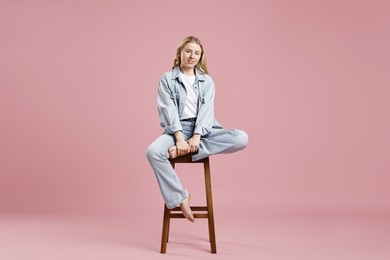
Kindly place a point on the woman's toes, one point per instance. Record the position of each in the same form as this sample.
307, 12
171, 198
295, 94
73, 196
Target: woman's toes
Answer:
186, 209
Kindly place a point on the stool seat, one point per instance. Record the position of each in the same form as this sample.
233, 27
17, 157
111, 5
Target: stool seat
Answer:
198, 211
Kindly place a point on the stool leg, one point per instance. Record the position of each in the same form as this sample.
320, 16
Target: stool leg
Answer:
169, 226
210, 207
165, 230
166, 226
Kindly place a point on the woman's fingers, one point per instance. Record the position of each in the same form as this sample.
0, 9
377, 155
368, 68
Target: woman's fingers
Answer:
187, 147
193, 148
183, 150
194, 143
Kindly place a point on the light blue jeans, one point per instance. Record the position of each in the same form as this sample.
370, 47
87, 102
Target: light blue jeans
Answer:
218, 141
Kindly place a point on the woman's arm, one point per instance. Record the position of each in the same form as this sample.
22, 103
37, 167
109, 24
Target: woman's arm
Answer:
167, 110
205, 117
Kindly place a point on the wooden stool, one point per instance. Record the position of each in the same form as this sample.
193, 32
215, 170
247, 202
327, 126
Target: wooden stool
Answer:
207, 210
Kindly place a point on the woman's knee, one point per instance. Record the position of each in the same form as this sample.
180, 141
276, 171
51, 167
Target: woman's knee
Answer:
152, 153
241, 138
149, 153
158, 150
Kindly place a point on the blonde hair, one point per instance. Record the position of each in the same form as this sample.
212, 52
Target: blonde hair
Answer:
202, 62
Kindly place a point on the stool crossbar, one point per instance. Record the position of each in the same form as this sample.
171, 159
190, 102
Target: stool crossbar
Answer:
198, 211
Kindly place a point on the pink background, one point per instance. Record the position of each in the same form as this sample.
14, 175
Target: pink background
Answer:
308, 80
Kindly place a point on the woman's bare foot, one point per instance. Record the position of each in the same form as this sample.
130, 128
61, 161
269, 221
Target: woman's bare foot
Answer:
185, 208
172, 152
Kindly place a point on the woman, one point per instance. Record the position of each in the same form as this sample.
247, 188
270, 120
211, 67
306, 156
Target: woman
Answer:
186, 110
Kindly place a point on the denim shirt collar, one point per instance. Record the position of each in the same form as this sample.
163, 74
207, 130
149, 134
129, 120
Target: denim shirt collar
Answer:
200, 76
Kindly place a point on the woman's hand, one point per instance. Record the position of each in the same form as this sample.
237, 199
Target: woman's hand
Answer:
193, 143
181, 145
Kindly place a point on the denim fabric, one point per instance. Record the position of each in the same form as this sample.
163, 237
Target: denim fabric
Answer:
172, 97
216, 141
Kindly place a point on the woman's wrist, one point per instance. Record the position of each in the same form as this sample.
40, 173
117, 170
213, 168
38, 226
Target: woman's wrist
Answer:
197, 136
179, 136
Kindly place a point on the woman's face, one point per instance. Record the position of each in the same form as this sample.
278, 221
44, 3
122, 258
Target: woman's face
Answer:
190, 55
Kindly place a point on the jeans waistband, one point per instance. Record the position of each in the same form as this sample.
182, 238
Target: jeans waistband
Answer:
192, 119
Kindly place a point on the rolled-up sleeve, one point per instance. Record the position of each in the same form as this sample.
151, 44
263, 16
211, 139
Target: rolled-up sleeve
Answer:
205, 118
167, 109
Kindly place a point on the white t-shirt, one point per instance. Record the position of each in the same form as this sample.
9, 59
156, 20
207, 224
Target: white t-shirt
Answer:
191, 107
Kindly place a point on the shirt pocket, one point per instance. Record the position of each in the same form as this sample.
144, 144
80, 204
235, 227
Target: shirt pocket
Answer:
201, 99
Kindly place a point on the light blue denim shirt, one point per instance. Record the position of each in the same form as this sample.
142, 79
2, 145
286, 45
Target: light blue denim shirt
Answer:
171, 100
